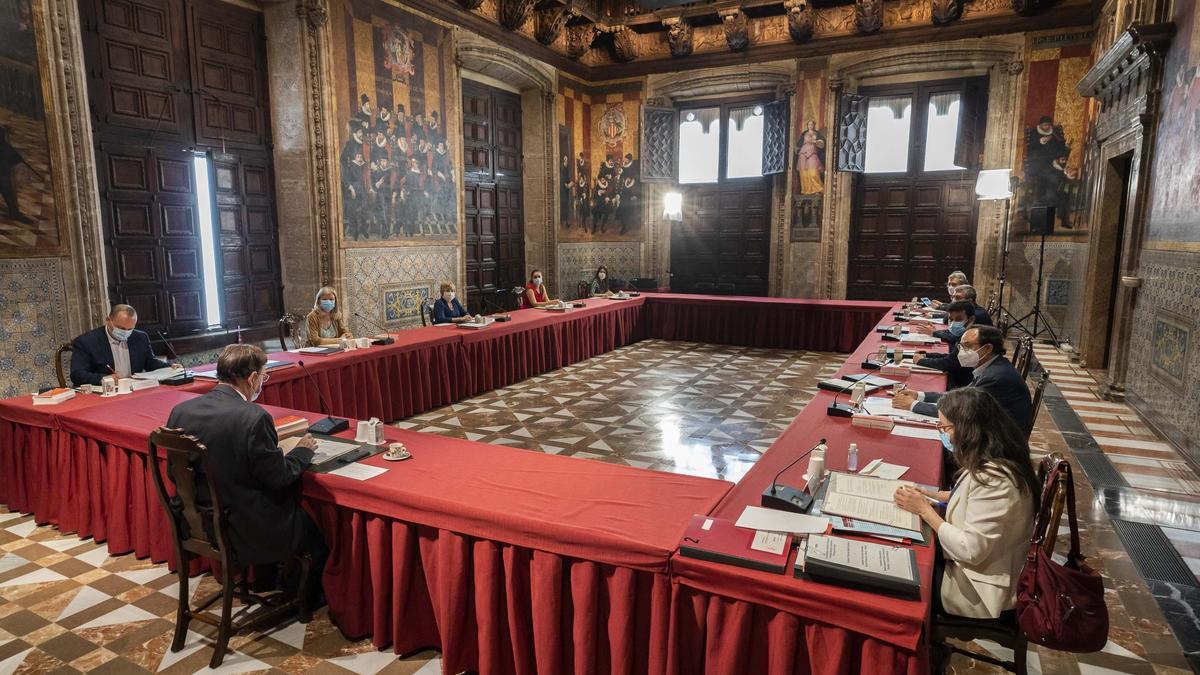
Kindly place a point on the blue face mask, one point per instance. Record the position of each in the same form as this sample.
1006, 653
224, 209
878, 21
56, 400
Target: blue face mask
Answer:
957, 328
328, 305
121, 334
946, 441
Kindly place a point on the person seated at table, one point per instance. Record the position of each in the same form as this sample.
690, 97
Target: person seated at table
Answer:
447, 309
256, 480
953, 281
982, 349
536, 294
114, 348
961, 320
960, 315
325, 325
984, 536
600, 283
968, 292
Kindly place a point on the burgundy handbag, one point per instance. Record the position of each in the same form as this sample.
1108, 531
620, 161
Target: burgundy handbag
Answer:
1061, 606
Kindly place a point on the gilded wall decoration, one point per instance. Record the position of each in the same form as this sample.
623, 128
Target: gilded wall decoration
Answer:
810, 160
28, 220
394, 76
402, 304
1056, 120
800, 20
1175, 178
600, 186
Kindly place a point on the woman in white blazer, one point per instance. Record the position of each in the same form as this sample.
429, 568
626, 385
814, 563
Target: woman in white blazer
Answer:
989, 512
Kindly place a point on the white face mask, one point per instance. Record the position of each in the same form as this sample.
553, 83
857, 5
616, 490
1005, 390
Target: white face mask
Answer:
950, 290
968, 359
448, 296
537, 281
258, 390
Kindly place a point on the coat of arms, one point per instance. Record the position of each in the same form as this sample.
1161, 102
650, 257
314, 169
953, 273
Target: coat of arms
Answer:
612, 124
398, 54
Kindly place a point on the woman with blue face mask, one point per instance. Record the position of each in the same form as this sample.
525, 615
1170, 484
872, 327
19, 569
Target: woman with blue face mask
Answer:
325, 326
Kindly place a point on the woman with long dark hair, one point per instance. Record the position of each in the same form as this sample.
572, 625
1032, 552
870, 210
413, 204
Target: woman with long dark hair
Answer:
984, 535
600, 282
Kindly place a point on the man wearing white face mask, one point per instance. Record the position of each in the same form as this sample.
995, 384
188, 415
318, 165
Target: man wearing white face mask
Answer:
981, 348
255, 479
114, 348
447, 309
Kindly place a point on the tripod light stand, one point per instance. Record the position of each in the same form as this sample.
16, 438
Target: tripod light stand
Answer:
996, 184
1041, 220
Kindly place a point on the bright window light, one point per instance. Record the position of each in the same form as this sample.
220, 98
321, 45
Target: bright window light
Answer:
941, 132
204, 200
889, 125
673, 206
699, 145
745, 142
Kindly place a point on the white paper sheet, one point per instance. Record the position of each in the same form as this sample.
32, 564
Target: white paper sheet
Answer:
872, 510
911, 431
356, 471
881, 405
768, 542
885, 470
158, 375
891, 561
915, 339
758, 518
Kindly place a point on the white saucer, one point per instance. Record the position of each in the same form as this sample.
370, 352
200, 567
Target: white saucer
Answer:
403, 456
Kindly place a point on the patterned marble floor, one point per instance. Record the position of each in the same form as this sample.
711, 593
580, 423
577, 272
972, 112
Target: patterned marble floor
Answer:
705, 410
66, 606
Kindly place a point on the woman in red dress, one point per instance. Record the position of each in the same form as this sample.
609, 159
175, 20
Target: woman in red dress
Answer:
536, 294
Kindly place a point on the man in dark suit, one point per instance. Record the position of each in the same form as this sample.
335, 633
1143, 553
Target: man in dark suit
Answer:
981, 348
112, 348
257, 481
961, 317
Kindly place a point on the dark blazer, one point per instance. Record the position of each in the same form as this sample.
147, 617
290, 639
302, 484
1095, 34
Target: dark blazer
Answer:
255, 479
91, 356
982, 318
1003, 382
956, 375
443, 313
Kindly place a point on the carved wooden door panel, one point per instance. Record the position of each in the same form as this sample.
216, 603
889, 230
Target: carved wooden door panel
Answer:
229, 93
723, 243
494, 223
248, 262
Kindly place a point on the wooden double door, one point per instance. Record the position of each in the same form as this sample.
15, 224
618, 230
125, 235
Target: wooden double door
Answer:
723, 243
494, 225
914, 223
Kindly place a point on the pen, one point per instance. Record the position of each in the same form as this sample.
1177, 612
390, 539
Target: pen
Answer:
934, 501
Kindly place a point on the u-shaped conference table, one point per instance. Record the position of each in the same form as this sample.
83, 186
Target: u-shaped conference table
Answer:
511, 561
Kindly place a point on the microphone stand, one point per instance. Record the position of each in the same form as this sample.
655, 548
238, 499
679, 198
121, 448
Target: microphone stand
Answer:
329, 425
184, 376
378, 341
836, 409
786, 497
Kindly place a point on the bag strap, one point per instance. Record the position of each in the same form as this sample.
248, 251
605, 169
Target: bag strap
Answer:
1039, 523
1074, 525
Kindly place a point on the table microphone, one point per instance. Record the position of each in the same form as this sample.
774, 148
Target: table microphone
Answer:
184, 376
329, 425
836, 409
786, 497
378, 341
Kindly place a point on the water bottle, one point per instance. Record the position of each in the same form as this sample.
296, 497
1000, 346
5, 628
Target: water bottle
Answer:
852, 457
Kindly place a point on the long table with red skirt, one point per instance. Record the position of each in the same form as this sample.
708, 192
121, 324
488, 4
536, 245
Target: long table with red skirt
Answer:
506, 560
733, 620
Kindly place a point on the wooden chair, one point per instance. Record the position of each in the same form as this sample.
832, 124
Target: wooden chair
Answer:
291, 327
993, 308
1038, 392
427, 311
199, 531
1023, 356
60, 368
583, 290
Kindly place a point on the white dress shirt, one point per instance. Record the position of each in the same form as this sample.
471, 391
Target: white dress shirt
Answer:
120, 352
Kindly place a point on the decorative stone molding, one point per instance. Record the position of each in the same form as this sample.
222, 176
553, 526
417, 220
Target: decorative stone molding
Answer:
314, 12
679, 36
551, 22
579, 40
942, 12
868, 15
799, 20
625, 46
513, 14
737, 29
718, 81
315, 41
483, 56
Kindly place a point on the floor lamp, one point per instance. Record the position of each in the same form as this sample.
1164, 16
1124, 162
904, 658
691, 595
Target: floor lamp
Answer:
992, 185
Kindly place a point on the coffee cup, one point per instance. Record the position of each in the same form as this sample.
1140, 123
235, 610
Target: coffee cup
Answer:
363, 343
363, 433
124, 385
109, 385
348, 345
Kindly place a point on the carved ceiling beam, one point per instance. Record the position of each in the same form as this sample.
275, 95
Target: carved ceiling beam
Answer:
470, 4
943, 12
514, 13
625, 47
679, 36
551, 22
737, 29
799, 20
579, 40
868, 15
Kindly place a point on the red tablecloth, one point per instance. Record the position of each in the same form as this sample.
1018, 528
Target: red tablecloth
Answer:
779, 323
420, 372
728, 619
537, 341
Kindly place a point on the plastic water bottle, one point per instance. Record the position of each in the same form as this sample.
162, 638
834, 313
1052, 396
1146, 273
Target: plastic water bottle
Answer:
852, 457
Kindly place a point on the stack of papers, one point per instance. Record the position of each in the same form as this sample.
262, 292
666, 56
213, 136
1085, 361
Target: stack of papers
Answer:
918, 339
159, 375
867, 498
912, 431
774, 520
881, 405
881, 469
54, 396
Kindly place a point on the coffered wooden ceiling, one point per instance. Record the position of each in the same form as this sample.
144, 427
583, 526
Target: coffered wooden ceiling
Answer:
607, 39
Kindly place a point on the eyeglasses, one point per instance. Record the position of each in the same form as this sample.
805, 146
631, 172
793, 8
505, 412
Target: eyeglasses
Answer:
265, 377
944, 427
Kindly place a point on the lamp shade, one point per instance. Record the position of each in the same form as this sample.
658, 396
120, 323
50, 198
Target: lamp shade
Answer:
673, 206
994, 184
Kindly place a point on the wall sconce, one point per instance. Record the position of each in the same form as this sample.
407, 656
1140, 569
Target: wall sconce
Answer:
673, 206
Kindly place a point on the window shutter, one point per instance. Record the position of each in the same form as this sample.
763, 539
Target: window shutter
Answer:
660, 159
775, 137
971, 122
852, 133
